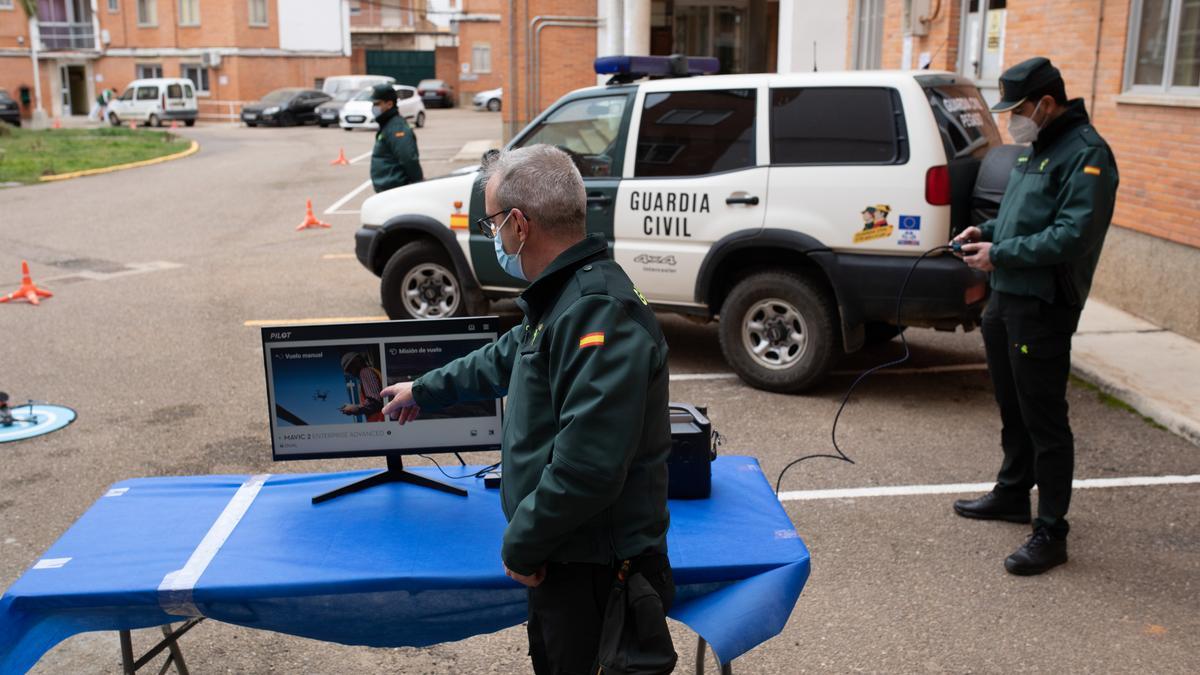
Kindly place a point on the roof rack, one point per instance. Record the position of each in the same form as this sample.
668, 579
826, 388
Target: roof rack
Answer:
625, 69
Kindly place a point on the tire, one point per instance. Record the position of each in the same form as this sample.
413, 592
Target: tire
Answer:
189, 123
347, 129
494, 105
755, 316
879, 332
153, 121
287, 119
251, 124
419, 282
113, 119
323, 125
420, 121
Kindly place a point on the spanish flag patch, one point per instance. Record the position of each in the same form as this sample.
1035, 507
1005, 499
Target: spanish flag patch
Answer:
1092, 170
592, 340
399, 134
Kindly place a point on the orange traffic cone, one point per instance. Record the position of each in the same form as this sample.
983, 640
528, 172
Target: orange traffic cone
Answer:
174, 124
309, 219
341, 158
132, 125
28, 290
57, 123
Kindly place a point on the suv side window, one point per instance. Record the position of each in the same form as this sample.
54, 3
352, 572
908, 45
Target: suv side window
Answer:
147, 93
127, 95
963, 119
692, 133
836, 125
587, 129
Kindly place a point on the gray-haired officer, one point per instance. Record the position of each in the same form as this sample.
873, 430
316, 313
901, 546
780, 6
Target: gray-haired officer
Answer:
395, 161
1041, 249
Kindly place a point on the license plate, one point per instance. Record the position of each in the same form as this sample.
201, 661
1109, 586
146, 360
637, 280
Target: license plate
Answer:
355, 119
249, 116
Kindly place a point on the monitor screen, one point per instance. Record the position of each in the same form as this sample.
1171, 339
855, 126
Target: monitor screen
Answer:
324, 382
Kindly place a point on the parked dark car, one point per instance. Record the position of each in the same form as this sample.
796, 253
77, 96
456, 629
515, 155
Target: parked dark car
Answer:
436, 93
10, 111
284, 107
327, 112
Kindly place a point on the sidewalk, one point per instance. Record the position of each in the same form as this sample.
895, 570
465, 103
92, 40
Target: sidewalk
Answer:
1155, 371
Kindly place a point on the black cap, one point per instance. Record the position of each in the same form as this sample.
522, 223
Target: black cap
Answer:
383, 92
1036, 76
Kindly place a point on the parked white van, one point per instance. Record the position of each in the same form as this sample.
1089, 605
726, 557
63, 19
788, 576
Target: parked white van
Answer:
332, 85
155, 101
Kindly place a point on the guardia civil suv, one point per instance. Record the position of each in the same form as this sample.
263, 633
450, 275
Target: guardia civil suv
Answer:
789, 207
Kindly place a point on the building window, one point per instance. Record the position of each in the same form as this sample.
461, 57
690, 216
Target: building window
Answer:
258, 12
114, 6
147, 12
6, 4
481, 58
189, 12
844, 125
198, 74
146, 71
355, 8
692, 133
1164, 47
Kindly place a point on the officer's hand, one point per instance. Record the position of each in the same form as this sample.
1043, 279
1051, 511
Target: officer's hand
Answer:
532, 581
403, 407
970, 234
978, 256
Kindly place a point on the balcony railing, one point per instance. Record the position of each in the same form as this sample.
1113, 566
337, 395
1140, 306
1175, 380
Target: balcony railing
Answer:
66, 35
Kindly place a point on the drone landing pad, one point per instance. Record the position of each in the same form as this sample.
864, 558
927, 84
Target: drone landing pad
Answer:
41, 420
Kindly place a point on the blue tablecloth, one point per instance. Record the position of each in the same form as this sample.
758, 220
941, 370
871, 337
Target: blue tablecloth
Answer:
395, 565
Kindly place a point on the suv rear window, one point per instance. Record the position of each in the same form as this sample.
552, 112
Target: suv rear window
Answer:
692, 133
835, 125
966, 125
174, 91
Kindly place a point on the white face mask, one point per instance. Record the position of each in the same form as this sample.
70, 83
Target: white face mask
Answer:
1023, 129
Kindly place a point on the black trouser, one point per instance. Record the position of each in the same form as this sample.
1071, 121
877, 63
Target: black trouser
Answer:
566, 611
1028, 344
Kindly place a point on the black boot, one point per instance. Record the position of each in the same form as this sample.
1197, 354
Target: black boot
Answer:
1038, 554
995, 506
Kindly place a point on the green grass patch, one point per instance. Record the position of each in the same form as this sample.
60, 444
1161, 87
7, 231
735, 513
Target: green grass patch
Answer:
26, 155
1115, 403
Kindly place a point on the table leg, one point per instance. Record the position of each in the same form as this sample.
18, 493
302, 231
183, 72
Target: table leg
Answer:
170, 641
176, 656
127, 653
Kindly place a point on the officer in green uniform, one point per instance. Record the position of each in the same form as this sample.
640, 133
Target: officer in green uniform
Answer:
587, 430
1041, 250
395, 161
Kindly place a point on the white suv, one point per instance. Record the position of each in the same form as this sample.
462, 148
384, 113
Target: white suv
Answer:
789, 206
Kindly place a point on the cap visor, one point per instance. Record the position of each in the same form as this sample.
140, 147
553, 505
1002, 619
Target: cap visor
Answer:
1005, 106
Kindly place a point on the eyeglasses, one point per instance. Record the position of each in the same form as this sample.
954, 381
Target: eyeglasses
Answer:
488, 227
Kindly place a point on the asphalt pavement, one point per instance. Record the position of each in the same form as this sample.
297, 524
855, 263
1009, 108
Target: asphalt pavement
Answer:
156, 271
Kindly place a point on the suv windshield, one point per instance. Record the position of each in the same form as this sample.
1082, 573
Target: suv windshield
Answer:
586, 129
966, 125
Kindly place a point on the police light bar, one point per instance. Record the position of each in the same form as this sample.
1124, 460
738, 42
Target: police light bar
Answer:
629, 68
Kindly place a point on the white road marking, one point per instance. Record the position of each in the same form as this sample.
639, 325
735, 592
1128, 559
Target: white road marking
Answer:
333, 210
689, 377
957, 488
338, 256
959, 368
361, 157
130, 269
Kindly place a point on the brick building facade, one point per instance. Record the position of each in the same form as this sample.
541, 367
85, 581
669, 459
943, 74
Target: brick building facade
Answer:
234, 50
1115, 55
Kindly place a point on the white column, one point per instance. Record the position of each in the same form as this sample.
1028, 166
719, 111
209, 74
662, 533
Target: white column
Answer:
614, 26
787, 30
637, 27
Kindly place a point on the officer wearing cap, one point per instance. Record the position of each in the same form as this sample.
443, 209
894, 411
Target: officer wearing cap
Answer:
587, 429
1041, 250
395, 161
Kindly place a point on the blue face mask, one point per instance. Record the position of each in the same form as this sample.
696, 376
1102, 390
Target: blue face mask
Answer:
509, 262
376, 111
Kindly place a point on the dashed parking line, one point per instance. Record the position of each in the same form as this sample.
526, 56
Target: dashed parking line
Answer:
957, 488
338, 256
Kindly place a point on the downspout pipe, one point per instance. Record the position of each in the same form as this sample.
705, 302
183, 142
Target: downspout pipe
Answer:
531, 49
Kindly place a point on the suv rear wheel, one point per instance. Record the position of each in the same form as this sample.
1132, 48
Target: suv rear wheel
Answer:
778, 331
419, 282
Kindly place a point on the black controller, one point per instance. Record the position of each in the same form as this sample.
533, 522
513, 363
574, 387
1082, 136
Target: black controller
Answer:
956, 246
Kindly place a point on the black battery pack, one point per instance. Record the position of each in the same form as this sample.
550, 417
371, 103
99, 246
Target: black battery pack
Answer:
689, 466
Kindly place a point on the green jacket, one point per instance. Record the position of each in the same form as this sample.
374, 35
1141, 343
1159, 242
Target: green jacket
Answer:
587, 429
395, 161
1055, 213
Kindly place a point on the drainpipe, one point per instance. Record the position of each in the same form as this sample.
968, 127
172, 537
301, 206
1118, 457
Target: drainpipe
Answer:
532, 36
35, 41
510, 87
1096, 61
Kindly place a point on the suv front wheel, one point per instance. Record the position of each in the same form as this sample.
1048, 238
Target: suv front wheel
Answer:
778, 331
419, 282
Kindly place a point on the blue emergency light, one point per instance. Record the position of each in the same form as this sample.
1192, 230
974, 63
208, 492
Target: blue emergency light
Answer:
629, 68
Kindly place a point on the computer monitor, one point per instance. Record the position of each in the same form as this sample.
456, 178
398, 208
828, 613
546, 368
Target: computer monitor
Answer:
324, 383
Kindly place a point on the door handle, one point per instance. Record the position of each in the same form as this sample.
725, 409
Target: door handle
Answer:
598, 200
741, 198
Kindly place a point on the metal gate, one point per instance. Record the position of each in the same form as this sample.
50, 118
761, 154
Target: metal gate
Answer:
407, 67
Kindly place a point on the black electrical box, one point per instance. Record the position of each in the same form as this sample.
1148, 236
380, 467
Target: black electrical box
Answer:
689, 467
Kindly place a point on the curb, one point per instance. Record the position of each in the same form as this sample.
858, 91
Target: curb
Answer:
1180, 425
193, 149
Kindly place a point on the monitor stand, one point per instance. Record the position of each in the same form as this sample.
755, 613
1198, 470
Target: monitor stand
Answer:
394, 473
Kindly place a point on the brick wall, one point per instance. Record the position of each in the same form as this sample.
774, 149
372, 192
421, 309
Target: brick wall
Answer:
491, 33
446, 66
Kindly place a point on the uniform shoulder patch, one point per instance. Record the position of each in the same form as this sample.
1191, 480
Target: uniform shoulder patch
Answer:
1092, 170
399, 134
592, 340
